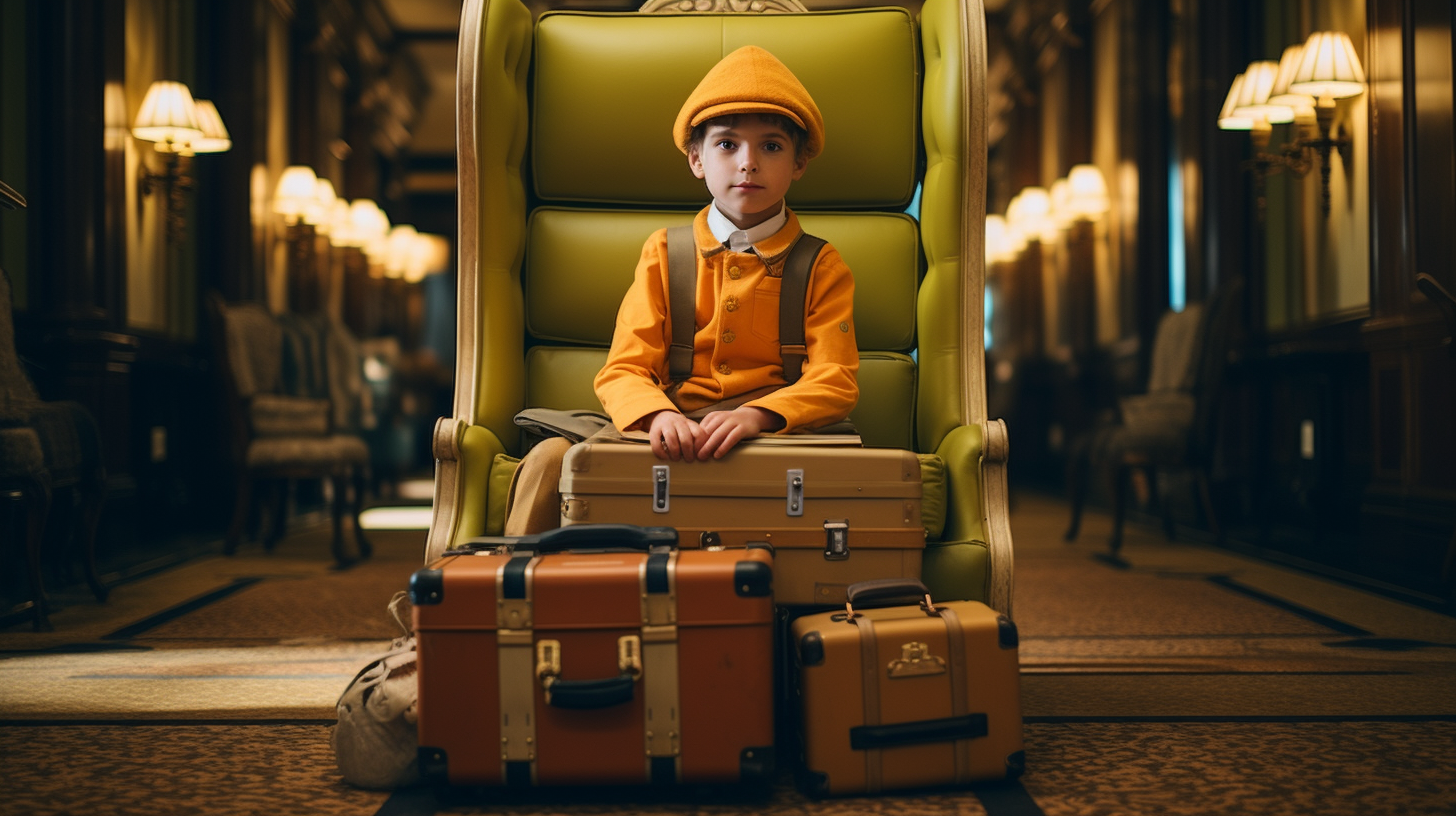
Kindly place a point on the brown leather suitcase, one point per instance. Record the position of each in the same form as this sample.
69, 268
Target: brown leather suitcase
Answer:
595, 655
834, 515
906, 696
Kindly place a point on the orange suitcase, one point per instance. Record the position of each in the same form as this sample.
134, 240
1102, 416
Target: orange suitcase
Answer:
906, 696
834, 514
596, 654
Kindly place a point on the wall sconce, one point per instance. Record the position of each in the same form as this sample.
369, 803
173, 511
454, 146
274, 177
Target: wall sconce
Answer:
180, 127
1301, 88
296, 192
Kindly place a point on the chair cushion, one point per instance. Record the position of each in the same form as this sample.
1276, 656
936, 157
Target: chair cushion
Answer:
322, 452
608, 88
20, 454
579, 263
498, 489
281, 415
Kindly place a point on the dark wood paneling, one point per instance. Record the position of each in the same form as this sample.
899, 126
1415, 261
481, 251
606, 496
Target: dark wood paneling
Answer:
1433, 142
75, 182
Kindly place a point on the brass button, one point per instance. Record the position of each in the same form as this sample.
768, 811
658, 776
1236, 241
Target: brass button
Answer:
731, 304
844, 327
729, 337
734, 272
724, 369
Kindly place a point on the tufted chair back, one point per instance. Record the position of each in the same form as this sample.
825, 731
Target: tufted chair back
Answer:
567, 164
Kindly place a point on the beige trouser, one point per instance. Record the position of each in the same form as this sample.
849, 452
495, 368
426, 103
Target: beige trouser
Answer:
533, 503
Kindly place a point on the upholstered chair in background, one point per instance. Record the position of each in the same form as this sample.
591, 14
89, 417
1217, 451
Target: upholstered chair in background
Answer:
284, 420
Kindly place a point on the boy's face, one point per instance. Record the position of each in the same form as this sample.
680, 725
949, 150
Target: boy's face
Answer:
748, 167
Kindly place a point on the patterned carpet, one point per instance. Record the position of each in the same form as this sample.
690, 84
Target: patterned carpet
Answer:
1185, 680
1074, 770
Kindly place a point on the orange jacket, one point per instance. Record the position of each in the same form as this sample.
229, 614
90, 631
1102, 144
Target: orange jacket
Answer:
735, 348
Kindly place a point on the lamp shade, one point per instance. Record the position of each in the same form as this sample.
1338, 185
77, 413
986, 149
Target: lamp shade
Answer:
1087, 191
1000, 245
1329, 67
168, 115
295, 191
399, 249
214, 138
1228, 117
1033, 214
1280, 93
369, 228
1253, 100
320, 209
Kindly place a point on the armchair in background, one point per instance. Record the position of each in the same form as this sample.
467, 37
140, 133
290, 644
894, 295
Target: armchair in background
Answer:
51, 465
285, 388
1169, 426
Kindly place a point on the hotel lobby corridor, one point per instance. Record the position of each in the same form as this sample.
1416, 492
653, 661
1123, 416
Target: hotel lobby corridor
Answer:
1182, 680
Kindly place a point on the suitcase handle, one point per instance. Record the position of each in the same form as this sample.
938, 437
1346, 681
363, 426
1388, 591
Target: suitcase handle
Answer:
888, 592
585, 694
599, 537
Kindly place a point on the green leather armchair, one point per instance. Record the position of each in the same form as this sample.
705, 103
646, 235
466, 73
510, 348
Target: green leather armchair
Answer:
566, 165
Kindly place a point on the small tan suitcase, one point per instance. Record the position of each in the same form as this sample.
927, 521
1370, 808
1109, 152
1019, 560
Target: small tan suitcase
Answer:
833, 515
906, 696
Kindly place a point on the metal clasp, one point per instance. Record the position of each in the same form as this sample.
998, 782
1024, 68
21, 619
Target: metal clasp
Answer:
629, 655
916, 661
796, 492
548, 661
836, 540
660, 484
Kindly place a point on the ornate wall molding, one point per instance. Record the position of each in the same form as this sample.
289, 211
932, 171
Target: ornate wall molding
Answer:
723, 6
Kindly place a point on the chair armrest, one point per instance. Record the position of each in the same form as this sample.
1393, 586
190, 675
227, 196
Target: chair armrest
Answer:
463, 456
974, 558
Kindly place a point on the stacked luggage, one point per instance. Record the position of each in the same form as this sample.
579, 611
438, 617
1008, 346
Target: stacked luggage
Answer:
636, 643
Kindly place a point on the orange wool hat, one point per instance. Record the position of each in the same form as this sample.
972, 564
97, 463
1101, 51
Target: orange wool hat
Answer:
750, 80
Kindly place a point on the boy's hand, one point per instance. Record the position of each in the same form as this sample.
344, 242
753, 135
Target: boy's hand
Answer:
724, 429
674, 436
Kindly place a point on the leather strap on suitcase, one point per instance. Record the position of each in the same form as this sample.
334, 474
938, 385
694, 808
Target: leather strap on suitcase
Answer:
873, 737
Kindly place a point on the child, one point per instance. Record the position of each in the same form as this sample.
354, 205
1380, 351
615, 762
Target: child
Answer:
749, 131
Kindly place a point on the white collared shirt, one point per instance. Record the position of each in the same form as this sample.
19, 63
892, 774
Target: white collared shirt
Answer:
739, 240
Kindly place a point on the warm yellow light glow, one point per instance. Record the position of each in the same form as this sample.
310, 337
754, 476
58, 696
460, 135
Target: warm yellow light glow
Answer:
1087, 192
398, 251
341, 233
370, 228
1253, 100
1061, 203
295, 190
168, 116
320, 209
431, 256
396, 518
214, 138
1329, 67
1280, 93
1032, 214
1000, 245
1228, 119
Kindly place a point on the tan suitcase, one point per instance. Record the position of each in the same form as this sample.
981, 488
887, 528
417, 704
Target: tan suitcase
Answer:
571, 664
907, 696
833, 515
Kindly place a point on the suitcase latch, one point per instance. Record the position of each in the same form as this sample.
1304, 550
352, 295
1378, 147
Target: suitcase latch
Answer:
916, 661
836, 540
660, 483
796, 492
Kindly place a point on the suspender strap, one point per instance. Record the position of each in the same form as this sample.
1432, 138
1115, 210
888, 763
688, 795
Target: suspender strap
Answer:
682, 269
791, 304
682, 289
